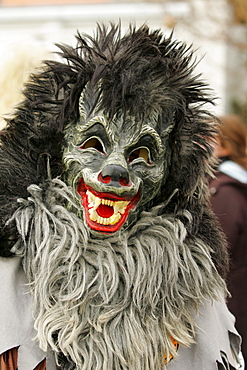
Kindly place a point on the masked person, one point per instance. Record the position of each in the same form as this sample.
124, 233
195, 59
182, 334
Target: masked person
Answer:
105, 220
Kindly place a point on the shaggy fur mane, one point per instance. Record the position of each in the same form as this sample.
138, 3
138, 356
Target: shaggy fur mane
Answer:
161, 80
124, 296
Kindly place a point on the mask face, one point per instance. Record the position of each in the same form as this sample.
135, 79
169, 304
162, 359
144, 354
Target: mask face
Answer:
115, 167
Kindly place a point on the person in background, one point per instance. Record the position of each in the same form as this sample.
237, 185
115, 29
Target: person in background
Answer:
229, 202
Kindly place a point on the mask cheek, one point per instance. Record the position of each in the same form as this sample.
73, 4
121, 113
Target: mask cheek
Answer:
75, 162
151, 183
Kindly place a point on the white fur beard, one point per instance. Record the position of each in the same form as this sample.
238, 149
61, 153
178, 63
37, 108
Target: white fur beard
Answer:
111, 303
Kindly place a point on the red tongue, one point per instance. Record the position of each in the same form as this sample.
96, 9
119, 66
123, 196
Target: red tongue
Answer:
105, 211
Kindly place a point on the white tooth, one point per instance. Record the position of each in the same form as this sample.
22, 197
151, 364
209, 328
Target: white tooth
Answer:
91, 196
91, 199
97, 202
114, 219
93, 214
120, 207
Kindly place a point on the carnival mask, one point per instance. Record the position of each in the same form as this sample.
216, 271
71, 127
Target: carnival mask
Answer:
115, 166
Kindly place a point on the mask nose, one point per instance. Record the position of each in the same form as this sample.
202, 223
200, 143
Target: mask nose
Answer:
114, 175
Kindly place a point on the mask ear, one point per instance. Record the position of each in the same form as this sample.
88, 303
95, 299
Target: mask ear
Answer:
90, 100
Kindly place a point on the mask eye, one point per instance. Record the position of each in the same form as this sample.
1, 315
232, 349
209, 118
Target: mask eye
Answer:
95, 143
140, 153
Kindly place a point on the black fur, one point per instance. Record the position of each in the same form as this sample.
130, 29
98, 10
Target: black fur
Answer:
139, 72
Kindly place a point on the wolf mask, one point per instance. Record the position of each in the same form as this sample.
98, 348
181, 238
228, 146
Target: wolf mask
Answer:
103, 195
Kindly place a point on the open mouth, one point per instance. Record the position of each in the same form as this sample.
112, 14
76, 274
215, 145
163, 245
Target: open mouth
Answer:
105, 212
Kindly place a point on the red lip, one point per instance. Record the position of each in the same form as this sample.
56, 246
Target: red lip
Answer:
105, 211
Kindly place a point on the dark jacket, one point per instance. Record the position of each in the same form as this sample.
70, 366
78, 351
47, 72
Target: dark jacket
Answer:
229, 202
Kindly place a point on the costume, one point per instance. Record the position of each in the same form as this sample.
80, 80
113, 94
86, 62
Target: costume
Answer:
104, 203
229, 202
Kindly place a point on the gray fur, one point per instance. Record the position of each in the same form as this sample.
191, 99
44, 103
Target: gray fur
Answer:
111, 303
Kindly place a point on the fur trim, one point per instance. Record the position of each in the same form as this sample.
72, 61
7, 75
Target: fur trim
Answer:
123, 296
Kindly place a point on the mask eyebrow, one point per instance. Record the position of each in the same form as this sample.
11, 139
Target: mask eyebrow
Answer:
88, 124
147, 130
83, 128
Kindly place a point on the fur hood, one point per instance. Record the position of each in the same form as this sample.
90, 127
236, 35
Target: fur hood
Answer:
35, 135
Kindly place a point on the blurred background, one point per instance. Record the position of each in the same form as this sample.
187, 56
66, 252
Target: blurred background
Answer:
216, 28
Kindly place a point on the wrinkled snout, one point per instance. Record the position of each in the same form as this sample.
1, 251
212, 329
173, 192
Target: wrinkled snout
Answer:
114, 175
